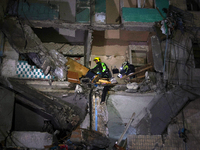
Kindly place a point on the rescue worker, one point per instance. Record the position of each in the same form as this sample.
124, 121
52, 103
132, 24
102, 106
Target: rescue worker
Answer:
101, 68
126, 69
103, 71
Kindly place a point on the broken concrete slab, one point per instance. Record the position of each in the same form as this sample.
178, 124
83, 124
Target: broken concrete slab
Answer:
64, 115
6, 112
28, 139
23, 39
9, 67
120, 106
90, 138
162, 109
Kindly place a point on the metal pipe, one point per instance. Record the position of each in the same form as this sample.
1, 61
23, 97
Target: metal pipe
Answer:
128, 125
96, 115
139, 3
90, 107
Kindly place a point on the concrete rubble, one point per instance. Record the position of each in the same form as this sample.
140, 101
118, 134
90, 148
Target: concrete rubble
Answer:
157, 109
33, 140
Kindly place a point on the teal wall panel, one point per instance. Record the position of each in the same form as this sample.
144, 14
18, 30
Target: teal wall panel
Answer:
38, 11
100, 6
145, 14
140, 15
162, 4
83, 16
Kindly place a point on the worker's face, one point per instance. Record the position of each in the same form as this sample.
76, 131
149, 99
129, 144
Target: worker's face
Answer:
96, 61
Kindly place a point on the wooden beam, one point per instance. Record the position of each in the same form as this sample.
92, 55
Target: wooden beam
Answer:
74, 66
144, 69
140, 77
127, 127
132, 26
140, 71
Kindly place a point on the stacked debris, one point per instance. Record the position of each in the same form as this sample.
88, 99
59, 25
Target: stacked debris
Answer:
25, 41
176, 19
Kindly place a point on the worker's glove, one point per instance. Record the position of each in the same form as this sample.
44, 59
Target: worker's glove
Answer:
99, 75
119, 75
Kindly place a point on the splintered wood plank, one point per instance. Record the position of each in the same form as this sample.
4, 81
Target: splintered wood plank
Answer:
76, 67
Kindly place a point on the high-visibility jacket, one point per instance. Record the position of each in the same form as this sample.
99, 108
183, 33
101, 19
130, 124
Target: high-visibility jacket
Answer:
102, 69
129, 68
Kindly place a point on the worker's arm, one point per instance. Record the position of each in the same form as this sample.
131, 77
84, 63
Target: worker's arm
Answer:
97, 69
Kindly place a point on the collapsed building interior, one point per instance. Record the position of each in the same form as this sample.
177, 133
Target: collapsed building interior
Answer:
47, 101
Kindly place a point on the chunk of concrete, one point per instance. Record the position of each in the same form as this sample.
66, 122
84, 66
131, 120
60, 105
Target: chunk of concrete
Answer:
9, 67
36, 140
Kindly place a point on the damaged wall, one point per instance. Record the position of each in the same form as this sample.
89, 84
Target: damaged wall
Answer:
10, 60
145, 14
138, 54
67, 10
179, 58
143, 4
76, 52
181, 133
6, 112
3, 4
51, 10
60, 35
196, 16
118, 37
38, 11
112, 11
113, 45
111, 55
179, 3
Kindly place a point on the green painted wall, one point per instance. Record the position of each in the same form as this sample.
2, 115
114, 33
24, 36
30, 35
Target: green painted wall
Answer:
83, 11
140, 15
162, 4
145, 14
38, 11
100, 6
83, 16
